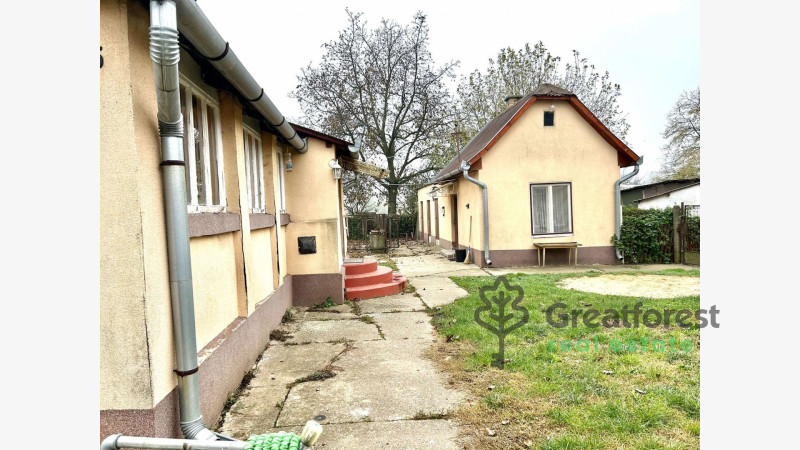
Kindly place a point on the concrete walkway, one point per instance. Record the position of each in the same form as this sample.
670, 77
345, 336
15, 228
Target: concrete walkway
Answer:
359, 370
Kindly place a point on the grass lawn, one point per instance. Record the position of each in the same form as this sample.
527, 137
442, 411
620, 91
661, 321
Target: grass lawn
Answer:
592, 399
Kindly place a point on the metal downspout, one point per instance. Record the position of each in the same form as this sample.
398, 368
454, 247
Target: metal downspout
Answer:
618, 200
165, 53
465, 171
196, 27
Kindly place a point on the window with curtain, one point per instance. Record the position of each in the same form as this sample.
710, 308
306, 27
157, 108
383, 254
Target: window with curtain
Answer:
551, 208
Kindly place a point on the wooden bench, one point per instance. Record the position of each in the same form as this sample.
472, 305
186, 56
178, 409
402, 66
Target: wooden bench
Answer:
541, 250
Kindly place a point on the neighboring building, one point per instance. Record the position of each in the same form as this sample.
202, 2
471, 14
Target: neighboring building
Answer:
246, 213
550, 167
663, 194
687, 195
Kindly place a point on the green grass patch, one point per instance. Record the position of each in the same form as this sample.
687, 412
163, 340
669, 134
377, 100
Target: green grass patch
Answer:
588, 398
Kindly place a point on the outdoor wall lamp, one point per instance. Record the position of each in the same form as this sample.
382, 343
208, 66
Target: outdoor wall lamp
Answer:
288, 161
442, 211
337, 169
552, 106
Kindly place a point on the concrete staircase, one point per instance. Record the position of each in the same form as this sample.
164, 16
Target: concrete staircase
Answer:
369, 280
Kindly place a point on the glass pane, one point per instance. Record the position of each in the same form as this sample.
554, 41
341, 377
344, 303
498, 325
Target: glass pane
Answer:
251, 158
199, 157
212, 147
561, 219
541, 214
186, 128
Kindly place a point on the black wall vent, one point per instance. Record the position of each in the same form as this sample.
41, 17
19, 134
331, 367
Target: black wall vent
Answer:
307, 245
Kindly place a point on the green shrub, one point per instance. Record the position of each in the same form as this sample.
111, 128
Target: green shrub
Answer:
645, 235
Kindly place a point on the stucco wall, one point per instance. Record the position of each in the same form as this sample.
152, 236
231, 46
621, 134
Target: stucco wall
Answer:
214, 283
571, 151
312, 201
260, 259
124, 361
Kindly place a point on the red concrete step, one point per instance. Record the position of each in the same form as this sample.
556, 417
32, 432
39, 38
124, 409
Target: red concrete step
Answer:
380, 275
369, 265
398, 284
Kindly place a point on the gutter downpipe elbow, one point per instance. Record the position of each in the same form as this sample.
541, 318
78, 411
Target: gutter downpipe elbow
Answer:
618, 201
465, 172
165, 54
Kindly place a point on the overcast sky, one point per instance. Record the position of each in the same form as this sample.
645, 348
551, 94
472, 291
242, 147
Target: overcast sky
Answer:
651, 48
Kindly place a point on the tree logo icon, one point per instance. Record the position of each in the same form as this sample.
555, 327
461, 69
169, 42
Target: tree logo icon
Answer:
495, 299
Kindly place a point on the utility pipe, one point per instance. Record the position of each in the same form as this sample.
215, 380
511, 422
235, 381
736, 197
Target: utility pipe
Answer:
165, 53
118, 441
465, 171
195, 26
618, 200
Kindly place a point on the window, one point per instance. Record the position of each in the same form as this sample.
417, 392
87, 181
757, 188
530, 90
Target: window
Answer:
254, 171
549, 118
202, 151
551, 208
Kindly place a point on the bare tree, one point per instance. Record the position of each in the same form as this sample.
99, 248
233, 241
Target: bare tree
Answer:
359, 189
682, 132
518, 72
382, 85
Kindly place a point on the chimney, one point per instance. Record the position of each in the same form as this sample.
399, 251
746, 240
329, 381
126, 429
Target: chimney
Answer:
511, 100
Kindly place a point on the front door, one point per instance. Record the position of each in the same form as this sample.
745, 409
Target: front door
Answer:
455, 221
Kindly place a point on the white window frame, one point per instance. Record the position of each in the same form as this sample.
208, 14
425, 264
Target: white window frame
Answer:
254, 170
281, 198
551, 221
205, 102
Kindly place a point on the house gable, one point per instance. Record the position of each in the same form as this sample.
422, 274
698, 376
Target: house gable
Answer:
499, 126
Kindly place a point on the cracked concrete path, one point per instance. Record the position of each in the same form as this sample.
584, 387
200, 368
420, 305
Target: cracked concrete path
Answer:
357, 369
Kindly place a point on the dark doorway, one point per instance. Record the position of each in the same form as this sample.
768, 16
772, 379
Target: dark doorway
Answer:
455, 221
436, 214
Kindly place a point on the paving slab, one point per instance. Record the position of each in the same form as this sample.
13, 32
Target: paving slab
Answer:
437, 291
327, 315
255, 412
405, 325
397, 302
376, 380
423, 265
437, 434
282, 364
333, 330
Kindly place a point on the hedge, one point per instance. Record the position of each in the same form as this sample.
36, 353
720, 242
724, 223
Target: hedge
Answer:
645, 235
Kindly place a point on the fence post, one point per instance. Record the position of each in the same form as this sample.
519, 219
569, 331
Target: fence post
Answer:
676, 238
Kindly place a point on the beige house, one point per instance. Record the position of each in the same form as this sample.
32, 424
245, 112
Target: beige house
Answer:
551, 172
263, 212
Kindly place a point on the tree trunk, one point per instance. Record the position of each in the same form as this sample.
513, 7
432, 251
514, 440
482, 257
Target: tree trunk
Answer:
392, 199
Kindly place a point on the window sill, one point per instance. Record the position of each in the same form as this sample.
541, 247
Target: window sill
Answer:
541, 236
285, 219
261, 220
194, 209
209, 224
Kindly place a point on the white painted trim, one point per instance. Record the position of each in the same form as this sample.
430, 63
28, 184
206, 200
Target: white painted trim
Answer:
193, 86
205, 102
191, 164
543, 236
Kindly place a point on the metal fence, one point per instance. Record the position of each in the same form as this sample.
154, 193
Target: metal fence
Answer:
395, 227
